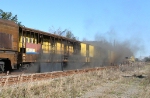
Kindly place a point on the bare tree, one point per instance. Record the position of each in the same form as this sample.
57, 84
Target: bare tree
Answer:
84, 39
66, 33
70, 35
58, 31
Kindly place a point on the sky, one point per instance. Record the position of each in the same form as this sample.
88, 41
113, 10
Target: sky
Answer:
118, 20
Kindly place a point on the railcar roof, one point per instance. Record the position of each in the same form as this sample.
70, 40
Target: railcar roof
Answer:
12, 23
48, 34
8, 22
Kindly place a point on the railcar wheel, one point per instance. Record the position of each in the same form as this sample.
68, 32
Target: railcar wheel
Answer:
24, 67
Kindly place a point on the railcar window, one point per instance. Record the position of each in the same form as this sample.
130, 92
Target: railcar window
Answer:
30, 40
23, 39
26, 40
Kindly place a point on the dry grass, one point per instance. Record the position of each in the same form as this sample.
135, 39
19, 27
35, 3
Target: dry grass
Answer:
78, 85
130, 86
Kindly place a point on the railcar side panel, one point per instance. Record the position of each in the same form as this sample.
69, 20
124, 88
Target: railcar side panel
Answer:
111, 57
9, 32
9, 41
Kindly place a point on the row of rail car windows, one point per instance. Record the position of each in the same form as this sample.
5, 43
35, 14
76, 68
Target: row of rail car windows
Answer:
50, 45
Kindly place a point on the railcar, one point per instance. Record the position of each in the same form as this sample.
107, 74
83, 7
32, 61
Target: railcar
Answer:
39, 51
8, 44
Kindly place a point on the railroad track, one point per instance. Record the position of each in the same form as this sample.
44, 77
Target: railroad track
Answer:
17, 79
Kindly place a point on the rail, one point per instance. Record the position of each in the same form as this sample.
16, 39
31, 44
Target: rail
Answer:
17, 79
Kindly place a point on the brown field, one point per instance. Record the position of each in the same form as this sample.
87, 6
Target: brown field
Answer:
127, 82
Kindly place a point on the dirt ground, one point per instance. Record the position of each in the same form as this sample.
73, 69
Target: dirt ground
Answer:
130, 84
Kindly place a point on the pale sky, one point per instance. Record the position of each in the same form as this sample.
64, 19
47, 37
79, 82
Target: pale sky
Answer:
113, 19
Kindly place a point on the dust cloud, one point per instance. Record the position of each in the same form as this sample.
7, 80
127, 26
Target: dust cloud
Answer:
112, 50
